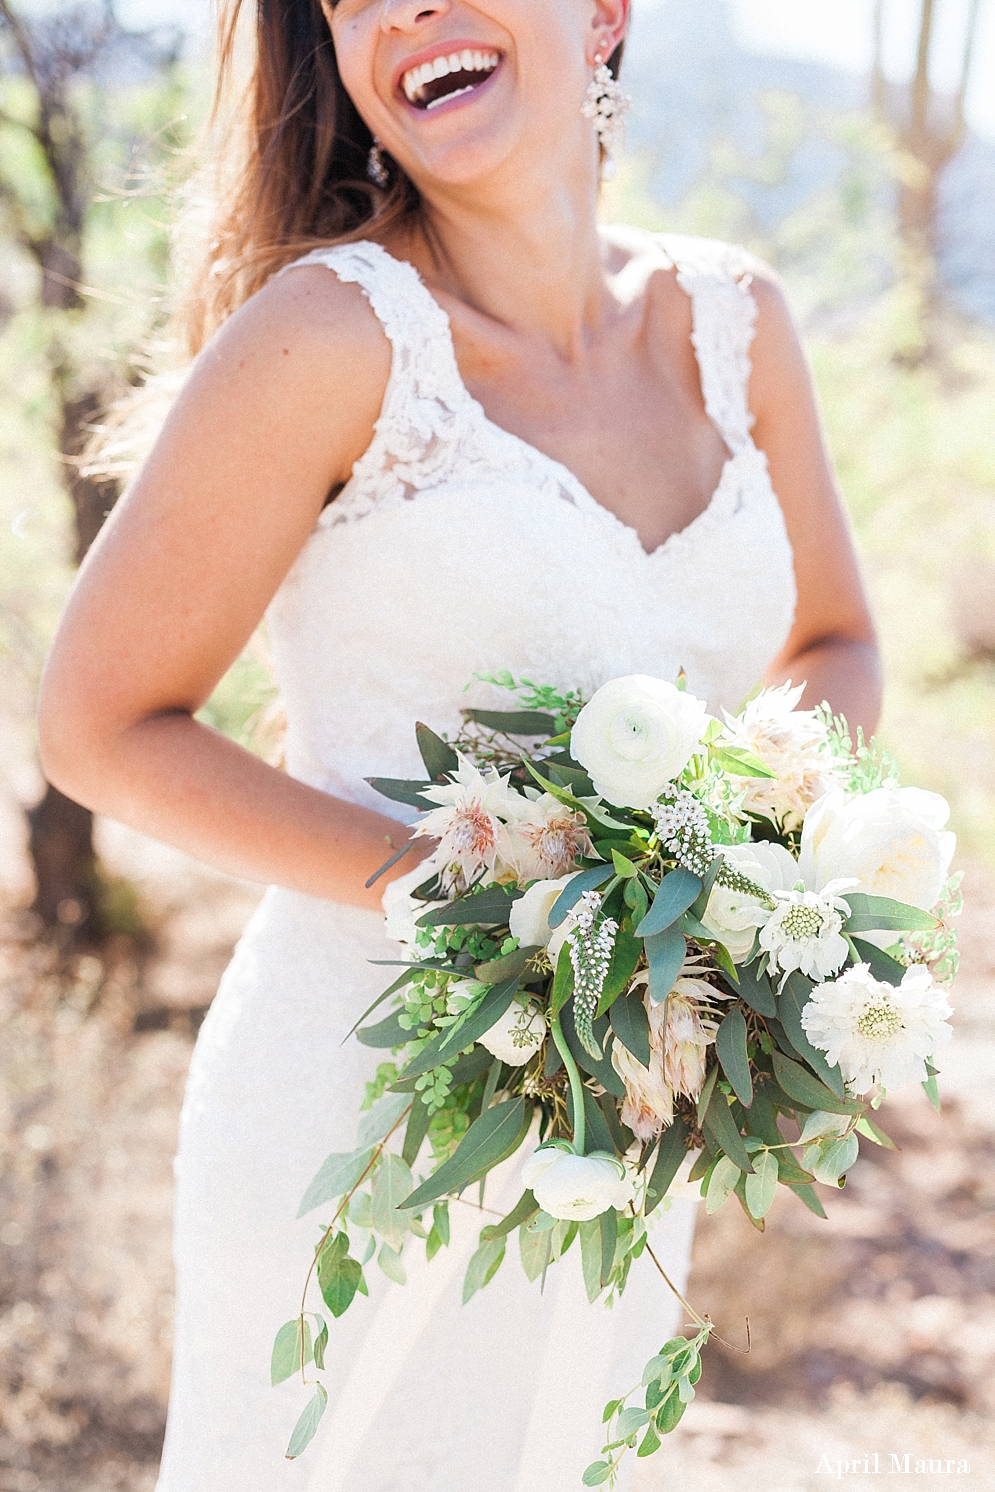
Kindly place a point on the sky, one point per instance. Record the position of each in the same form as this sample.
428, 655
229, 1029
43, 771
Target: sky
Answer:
840, 32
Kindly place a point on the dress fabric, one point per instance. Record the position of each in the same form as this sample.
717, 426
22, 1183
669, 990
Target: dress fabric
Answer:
456, 550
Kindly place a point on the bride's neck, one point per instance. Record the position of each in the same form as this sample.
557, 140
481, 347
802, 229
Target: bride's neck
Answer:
532, 261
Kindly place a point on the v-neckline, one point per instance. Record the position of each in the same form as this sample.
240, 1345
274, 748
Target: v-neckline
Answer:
564, 473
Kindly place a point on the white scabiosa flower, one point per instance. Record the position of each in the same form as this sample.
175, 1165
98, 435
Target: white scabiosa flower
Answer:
518, 1034
805, 931
576, 1187
733, 915
471, 825
876, 1032
636, 736
547, 839
794, 745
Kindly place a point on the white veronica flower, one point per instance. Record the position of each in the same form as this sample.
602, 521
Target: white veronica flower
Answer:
878, 1033
734, 916
892, 840
636, 736
794, 744
577, 1187
529, 918
471, 825
546, 839
805, 931
518, 1035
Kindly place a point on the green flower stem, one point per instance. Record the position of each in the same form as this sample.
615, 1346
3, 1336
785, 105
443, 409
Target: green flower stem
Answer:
576, 1084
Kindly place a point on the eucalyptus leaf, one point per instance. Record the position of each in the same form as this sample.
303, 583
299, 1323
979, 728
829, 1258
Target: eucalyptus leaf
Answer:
597, 1067
392, 1183
439, 757
386, 1035
307, 1425
678, 890
730, 1045
514, 722
338, 1175
484, 1144
590, 1253
338, 1275
483, 1266
882, 914
587, 880
800, 1084
631, 1025
286, 1359
534, 1251
456, 1038
761, 1187
525, 1208
836, 1158
597, 1474
755, 989
416, 1131
488, 908
668, 1161
720, 1127
378, 1121
791, 1003
666, 952
392, 1264
722, 1183
400, 791
882, 965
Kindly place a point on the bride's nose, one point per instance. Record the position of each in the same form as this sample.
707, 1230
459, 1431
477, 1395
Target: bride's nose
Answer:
408, 15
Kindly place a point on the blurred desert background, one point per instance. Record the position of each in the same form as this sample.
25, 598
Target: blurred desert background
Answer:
853, 146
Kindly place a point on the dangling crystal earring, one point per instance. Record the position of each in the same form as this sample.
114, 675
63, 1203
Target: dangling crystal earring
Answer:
376, 165
605, 104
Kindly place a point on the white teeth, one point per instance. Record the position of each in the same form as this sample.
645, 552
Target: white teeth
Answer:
414, 81
447, 97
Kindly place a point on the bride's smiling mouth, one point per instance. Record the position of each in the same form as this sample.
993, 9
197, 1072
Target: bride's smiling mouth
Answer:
448, 75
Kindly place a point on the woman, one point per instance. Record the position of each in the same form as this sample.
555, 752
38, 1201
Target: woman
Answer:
479, 434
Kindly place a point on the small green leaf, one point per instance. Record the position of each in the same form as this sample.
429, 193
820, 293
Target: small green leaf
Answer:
722, 1184
483, 1266
378, 1122
590, 1253
597, 1474
730, 1045
836, 1158
488, 908
399, 791
666, 953
610, 1409
392, 1183
872, 1132
631, 1025
810, 1198
391, 1263
806, 1089
755, 989
739, 762
882, 914
627, 950
286, 1359
416, 1131
670, 1413
440, 1221
650, 1443
588, 880
304, 1430
488, 1140
820, 1123
608, 1227
338, 1275
514, 722
631, 1420
882, 965
526, 1207
932, 1091
386, 1034
623, 866
440, 759
761, 1187
668, 1162
678, 891
534, 1250
720, 1128
338, 1175
320, 1343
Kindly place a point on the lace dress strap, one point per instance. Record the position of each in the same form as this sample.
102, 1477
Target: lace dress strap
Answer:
717, 278
425, 404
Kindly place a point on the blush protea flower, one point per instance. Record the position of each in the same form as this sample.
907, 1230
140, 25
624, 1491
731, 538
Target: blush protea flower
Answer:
471, 825
547, 839
794, 744
878, 1033
681, 1030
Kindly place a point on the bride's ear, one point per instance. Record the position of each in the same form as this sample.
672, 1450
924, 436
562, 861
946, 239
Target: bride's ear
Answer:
609, 24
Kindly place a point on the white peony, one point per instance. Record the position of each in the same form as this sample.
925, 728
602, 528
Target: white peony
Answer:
806, 931
891, 840
529, 918
878, 1033
576, 1187
518, 1035
792, 743
547, 838
470, 824
636, 736
734, 916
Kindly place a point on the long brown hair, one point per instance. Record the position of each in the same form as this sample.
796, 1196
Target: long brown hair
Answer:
292, 170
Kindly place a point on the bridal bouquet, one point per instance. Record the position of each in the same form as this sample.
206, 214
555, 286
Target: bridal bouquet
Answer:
658, 951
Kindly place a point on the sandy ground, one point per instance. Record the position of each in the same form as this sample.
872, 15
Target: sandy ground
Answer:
873, 1334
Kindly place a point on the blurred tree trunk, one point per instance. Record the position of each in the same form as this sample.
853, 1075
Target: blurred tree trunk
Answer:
57, 53
929, 129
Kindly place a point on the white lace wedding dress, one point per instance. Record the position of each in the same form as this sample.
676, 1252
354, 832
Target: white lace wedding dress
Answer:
456, 549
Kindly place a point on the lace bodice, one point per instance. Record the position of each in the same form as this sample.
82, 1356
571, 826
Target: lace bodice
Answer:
457, 549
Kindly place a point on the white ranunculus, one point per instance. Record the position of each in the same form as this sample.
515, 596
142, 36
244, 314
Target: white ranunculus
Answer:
734, 916
878, 1033
891, 840
518, 1034
636, 736
529, 917
576, 1187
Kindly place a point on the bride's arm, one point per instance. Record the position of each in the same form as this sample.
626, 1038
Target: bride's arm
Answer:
275, 412
832, 645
